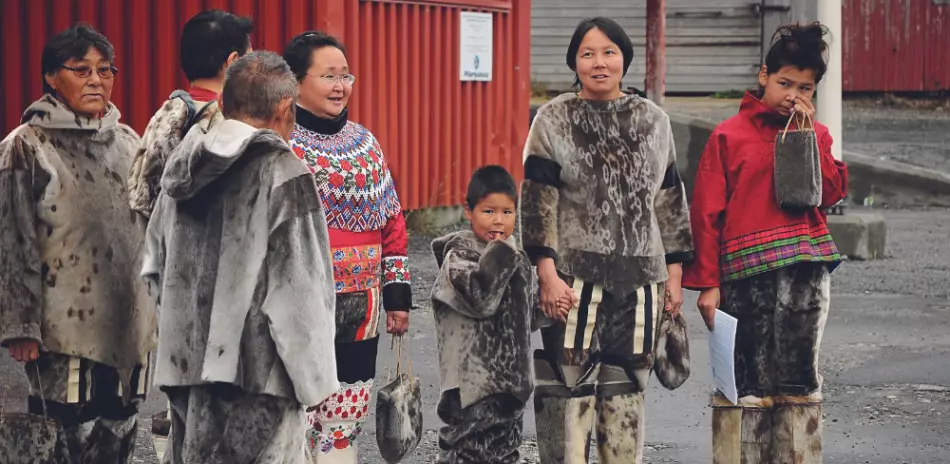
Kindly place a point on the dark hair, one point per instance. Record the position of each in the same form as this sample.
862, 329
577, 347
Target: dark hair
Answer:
487, 180
209, 38
801, 46
74, 43
612, 30
299, 52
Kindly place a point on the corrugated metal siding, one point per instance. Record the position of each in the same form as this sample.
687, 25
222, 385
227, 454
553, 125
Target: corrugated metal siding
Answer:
433, 128
896, 45
711, 45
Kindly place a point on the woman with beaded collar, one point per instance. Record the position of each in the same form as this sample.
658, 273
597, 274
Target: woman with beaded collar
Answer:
367, 235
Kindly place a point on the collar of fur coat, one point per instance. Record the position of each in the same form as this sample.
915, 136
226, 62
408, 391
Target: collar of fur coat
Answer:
50, 113
625, 103
201, 158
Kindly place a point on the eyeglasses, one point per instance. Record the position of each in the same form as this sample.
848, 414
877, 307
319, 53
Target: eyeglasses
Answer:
84, 72
331, 79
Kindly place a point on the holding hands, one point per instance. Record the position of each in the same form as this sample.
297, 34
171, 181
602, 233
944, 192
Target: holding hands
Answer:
557, 298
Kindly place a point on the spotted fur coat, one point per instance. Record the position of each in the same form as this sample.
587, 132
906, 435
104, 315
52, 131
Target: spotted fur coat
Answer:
483, 304
237, 245
602, 194
162, 135
70, 247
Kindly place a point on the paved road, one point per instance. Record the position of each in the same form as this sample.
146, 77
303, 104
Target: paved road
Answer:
886, 361
916, 136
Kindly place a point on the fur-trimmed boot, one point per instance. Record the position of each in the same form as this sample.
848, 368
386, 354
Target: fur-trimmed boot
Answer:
742, 434
564, 416
796, 430
620, 429
564, 427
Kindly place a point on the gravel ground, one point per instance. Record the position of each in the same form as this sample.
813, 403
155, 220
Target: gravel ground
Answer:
884, 360
896, 131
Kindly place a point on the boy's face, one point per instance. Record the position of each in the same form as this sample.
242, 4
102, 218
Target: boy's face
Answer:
493, 217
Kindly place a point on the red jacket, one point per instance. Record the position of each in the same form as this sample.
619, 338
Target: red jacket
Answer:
739, 230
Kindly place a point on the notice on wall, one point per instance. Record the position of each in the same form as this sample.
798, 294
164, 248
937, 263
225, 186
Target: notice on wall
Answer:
476, 46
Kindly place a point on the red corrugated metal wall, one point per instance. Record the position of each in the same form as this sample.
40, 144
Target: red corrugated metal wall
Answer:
896, 45
434, 128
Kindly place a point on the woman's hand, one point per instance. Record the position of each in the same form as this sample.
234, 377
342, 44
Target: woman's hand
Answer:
24, 350
397, 322
708, 304
673, 300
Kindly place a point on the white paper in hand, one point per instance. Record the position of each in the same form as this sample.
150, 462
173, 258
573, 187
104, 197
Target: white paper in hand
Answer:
722, 346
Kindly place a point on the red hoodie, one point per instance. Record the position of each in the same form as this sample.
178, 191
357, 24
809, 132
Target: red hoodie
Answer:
739, 230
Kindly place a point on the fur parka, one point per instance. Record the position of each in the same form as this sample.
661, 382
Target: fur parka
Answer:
237, 246
70, 247
483, 301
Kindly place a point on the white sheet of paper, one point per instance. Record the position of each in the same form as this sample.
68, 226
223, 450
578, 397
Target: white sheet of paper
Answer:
722, 346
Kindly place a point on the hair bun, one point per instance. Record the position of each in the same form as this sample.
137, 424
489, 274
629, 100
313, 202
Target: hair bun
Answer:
805, 37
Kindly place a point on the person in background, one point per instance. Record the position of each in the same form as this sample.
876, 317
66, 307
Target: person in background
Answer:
367, 235
768, 266
483, 306
71, 305
237, 249
210, 42
604, 217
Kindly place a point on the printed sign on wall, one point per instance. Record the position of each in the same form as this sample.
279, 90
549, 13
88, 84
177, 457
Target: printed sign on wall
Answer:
476, 46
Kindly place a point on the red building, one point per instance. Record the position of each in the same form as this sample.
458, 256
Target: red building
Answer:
434, 127
896, 45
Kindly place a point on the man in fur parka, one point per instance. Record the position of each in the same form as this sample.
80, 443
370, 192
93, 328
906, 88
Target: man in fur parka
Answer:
237, 247
210, 42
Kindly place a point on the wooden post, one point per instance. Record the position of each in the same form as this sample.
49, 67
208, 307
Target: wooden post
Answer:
656, 51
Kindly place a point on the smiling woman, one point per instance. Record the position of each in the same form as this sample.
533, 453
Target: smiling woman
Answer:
604, 217
71, 303
367, 235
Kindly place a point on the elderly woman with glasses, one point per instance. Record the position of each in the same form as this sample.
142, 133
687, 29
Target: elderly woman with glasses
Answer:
367, 236
72, 306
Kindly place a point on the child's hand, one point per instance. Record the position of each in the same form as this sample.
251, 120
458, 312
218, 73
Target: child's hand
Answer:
707, 304
557, 299
804, 107
564, 306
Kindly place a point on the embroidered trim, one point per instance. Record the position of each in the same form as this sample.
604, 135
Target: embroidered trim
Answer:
356, 268
374, 303
764, 251
337, 422
395, 270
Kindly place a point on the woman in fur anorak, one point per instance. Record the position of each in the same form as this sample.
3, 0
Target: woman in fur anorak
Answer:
604, 218
72, 305
765, 264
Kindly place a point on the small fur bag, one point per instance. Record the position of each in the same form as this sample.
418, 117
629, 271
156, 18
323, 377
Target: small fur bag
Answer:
797, 167
671, 361
399, 412
31, 439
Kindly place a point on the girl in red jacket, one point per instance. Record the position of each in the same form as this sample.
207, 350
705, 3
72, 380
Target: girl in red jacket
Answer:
765, 265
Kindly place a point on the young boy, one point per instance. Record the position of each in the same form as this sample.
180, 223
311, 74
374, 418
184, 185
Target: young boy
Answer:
482, 304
